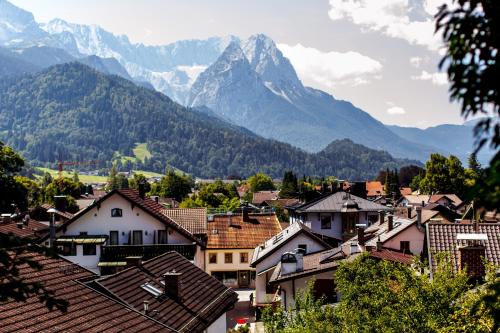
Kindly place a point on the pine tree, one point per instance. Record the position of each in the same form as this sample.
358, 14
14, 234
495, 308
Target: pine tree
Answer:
112, 179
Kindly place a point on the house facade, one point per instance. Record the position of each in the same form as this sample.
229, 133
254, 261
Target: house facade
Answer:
231, 240
336, 215
122, 226
268, 255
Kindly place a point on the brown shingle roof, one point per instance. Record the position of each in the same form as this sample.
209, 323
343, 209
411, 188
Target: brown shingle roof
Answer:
259, 197
192, 219
241, 235
32, 230
391, 255
442, 237
88, 311
66, 215
203, 298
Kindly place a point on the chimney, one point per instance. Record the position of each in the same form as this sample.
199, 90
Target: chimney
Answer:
142, 190
419, 216
52, 226
230, 218
145, 305
470, 258
379, 244
245, 215
26, 220
423, 203
408, 212
133, 261
381, 216
19, 225
60, 202
173, 286
156, 198
361, 236
390, 222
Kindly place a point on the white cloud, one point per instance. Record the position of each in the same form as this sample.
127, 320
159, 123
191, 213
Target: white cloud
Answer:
416, 61
438, 79
331, 68
396, 110
390, 17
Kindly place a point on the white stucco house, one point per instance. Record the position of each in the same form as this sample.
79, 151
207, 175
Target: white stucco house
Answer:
336, 215
268, 255
122, 226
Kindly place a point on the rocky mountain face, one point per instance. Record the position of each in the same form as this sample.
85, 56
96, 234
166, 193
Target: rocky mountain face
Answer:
247, 82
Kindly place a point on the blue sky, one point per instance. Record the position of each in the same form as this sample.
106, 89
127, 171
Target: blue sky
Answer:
379, 54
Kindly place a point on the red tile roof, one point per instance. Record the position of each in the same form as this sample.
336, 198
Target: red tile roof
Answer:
33, 230
374, 189
66, 215
442, 237
391, 255
88, 311
259, 197
405, 191
203, 298
192, 219
241, 235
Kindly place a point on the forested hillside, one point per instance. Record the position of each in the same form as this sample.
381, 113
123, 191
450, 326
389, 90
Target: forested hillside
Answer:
72, 112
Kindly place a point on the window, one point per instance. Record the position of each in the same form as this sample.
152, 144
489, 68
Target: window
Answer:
303, 247
116, 212
212, 258
68, 249
137, 237
326, 222
151, 289
113, 237
244, 258
228, 258
89, 250
405, 246
162, 236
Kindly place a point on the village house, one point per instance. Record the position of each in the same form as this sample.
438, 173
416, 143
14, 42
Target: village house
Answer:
232, 239
122, 226
451, 201
173, 291
268, 255
336, 215
394, 239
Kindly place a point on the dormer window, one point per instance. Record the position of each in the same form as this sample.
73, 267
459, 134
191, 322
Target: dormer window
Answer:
116, 212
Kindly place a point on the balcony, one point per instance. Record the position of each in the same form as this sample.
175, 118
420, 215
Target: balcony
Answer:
112, 253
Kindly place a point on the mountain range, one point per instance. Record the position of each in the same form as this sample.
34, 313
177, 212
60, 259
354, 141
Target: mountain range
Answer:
247, 83
73, 112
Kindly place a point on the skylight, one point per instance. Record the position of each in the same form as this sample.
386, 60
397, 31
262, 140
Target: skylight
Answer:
152, 289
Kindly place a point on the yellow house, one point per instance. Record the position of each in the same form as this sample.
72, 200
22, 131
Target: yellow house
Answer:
230, 244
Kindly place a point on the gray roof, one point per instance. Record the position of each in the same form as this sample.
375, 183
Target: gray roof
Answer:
277, 241
335, 203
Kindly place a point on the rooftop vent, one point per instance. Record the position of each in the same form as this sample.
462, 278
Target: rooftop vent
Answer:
151, 289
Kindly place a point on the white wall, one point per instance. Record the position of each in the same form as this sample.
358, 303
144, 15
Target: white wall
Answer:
98, 221
275, 258
411, 234
300, 284
313, 221
218, 326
